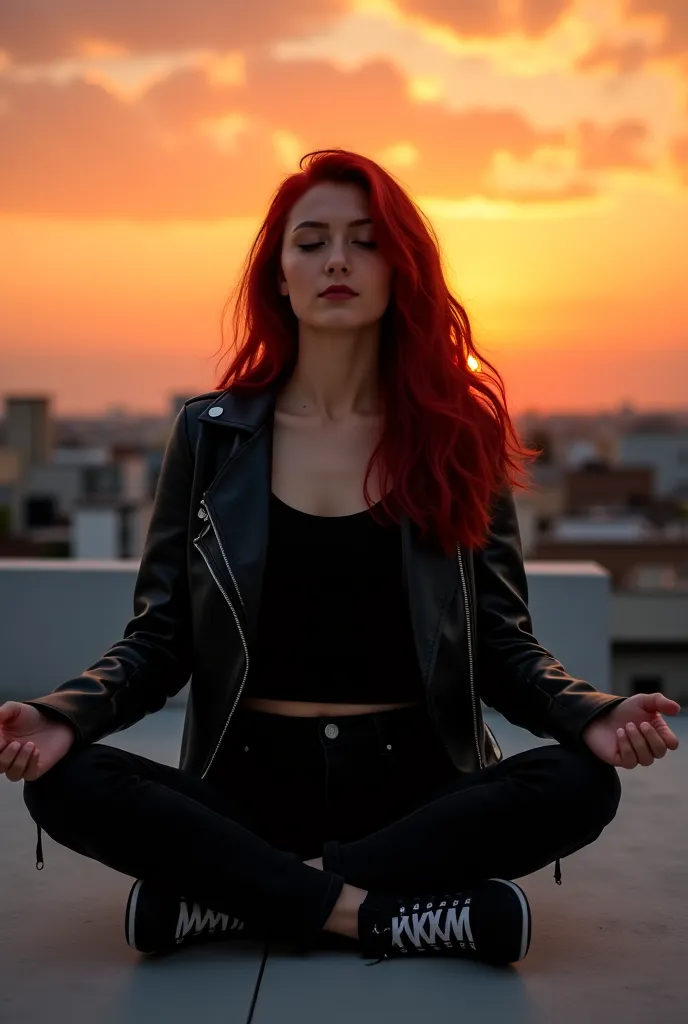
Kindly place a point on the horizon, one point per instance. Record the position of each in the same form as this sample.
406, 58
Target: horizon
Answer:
119, 409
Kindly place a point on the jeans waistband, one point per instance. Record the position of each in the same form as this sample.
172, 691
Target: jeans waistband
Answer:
393, 724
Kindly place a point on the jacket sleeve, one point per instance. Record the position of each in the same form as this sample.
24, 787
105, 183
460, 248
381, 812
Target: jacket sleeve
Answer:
153, 659
516, 675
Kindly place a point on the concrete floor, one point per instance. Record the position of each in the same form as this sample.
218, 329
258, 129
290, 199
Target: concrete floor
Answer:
610, 944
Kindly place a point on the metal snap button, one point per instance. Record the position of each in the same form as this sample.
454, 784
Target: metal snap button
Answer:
245, 750
331, 731
389, 746
216, 410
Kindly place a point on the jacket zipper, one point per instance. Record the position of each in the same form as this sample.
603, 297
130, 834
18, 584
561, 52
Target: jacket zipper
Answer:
204, 514
470, 656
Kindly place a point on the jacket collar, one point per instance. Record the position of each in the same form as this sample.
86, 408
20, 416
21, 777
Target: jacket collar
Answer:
247, 411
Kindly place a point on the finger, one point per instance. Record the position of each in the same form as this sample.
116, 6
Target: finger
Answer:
627, 757
4, 744
658, 702
8, 755
642, 751
653, 739
669, 737
9, 710
5, 739
18, 767
33, 771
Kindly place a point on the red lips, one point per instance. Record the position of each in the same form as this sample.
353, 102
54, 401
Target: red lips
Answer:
342, 289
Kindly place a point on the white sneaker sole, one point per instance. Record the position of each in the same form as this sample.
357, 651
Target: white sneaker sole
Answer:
130, 916
525, 913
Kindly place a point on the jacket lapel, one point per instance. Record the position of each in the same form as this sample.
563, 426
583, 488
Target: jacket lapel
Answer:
430, 577
238, 497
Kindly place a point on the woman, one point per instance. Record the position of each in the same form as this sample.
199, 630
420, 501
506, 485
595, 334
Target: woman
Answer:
340, 626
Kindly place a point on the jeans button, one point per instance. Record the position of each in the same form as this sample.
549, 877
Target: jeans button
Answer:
331, 731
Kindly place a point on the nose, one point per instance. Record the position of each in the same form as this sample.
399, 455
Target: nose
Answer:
337, 259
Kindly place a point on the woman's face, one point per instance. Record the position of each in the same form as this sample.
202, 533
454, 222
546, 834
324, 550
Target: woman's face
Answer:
333, 250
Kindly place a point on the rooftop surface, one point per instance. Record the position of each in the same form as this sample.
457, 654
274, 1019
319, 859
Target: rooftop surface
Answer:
610, 944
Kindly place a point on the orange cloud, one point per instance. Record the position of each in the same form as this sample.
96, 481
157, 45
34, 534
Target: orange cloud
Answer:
620, 58
679, 152
664, 24
181, 151
490, 17
673, 16
194, 146
613, 145
45, 30
75, 151
370, 109
550, 172
42, 30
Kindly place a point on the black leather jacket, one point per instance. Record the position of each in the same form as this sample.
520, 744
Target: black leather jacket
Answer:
198, 591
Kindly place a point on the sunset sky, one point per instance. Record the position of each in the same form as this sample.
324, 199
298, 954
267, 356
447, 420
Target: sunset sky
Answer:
546, 139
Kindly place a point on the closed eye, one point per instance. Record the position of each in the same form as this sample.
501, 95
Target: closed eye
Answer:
314, 245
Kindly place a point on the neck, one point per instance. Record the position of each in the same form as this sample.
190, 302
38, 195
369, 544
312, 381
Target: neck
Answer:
336, 374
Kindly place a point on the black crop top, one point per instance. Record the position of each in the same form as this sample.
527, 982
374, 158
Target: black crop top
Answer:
334, 624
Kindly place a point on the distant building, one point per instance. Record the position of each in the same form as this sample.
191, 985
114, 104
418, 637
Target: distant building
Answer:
615, 488
665, 451
28, 428
109, 530
91, 500
176, 402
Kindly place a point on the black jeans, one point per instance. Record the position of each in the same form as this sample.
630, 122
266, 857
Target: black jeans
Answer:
375, 794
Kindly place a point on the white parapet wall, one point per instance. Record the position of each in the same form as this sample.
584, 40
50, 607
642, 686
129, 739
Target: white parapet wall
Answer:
58, 616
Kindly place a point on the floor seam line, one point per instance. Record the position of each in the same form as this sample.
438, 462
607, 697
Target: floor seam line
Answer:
259, 979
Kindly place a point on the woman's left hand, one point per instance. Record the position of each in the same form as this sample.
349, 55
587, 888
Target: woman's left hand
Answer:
633, 732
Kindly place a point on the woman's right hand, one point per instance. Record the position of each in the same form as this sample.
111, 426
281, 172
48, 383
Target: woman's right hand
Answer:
30, 742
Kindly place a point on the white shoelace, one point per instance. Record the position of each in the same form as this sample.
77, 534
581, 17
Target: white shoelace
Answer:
198, 919
434, 925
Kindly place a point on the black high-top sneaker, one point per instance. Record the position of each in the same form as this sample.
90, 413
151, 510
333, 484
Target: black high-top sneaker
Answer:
489, 922
157, 920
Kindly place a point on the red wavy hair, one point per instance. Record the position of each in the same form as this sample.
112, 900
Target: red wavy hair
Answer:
448, 445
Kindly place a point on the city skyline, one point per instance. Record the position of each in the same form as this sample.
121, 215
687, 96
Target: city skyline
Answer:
546, 140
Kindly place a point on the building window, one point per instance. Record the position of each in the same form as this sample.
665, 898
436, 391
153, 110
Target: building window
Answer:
646, 684
101, 481
40, 511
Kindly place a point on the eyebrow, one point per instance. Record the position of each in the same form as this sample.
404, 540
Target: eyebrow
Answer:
324, 224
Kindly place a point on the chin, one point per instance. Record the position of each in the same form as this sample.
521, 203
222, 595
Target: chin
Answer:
339, 319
